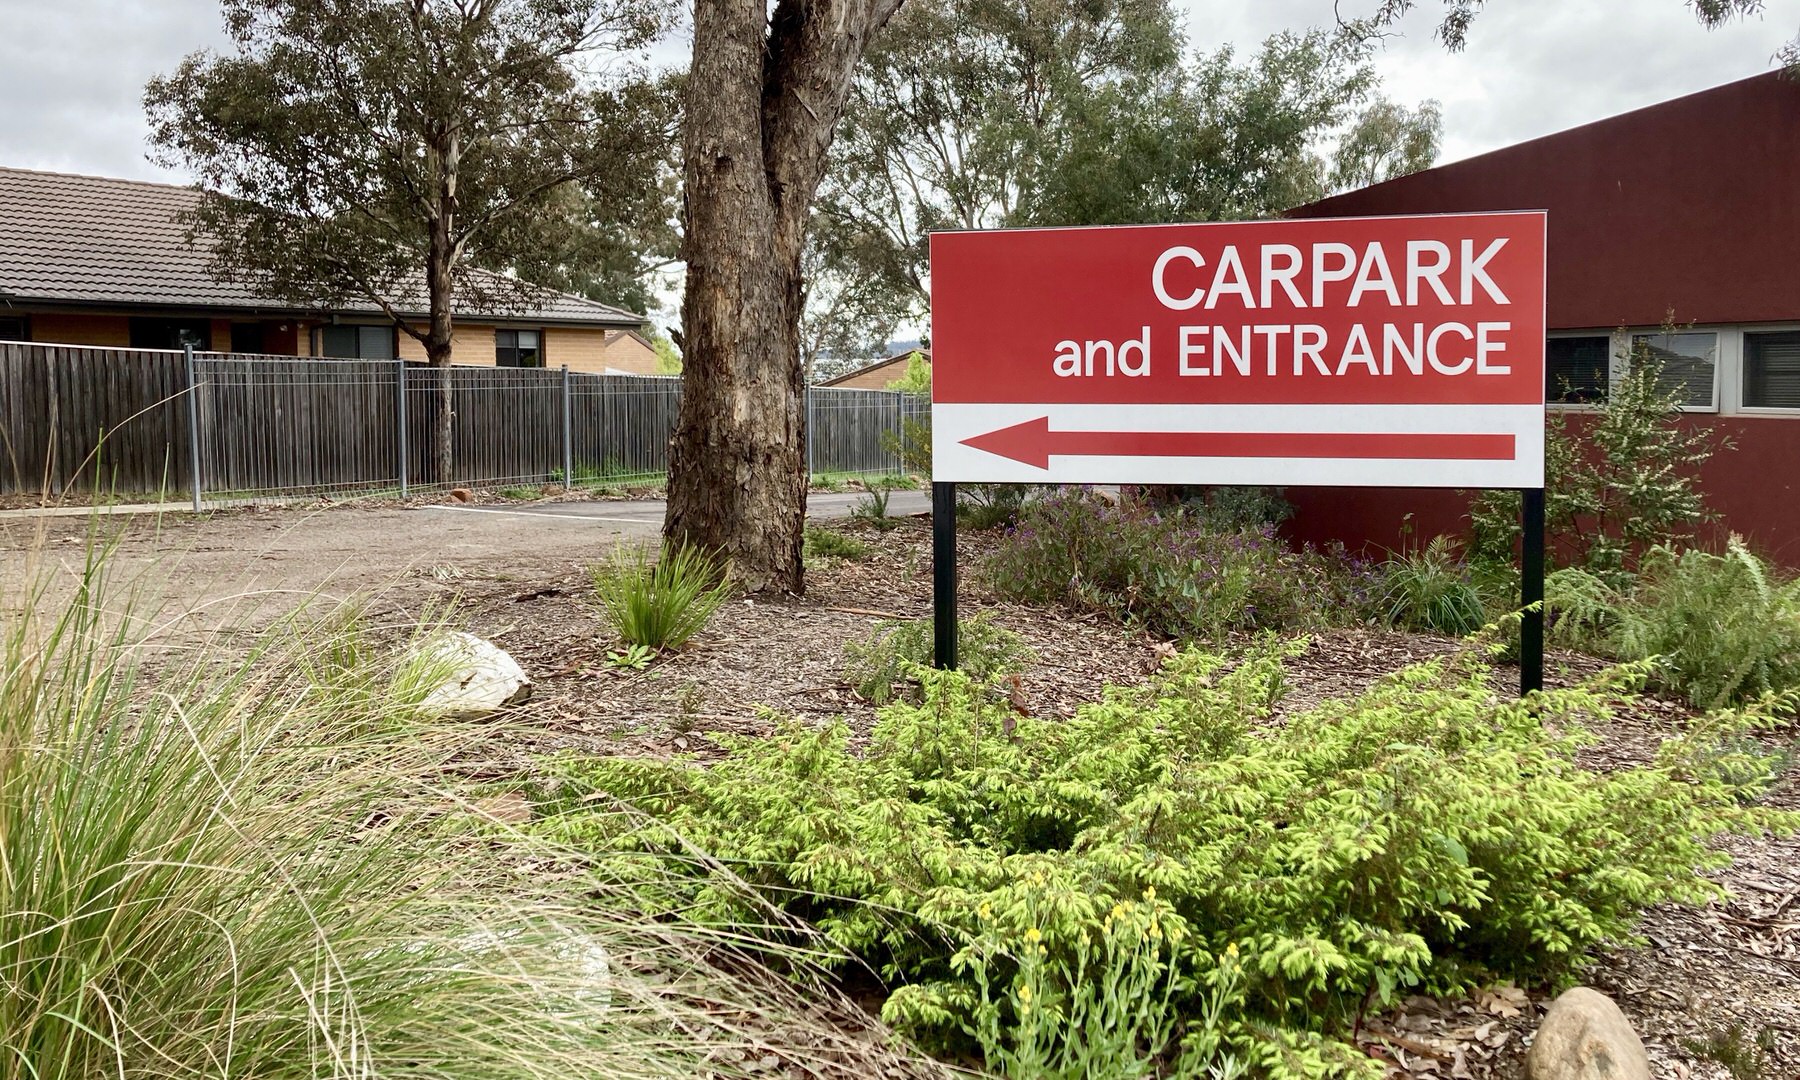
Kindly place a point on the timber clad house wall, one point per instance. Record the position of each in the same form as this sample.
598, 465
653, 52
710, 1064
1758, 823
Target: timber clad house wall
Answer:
1685, 212
96, 261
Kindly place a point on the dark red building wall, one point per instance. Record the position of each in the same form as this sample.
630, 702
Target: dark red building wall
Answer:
1692, 207
1753, 487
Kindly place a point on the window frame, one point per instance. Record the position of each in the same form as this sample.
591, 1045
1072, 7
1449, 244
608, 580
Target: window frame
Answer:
1737, 401
1727, 358
24, 321
543, 350
1612, 368
318, 340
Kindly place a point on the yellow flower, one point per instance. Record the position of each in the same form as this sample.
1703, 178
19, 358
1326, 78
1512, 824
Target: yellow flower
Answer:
1149, 894
1034, 935
1231, 950
985, 911
1025, 993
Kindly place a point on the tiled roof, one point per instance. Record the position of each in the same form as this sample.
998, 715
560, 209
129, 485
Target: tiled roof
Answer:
97, 240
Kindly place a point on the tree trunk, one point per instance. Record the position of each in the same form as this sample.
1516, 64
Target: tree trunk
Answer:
764, 95
441, 294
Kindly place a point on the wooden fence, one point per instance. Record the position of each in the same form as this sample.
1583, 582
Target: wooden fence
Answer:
122, 421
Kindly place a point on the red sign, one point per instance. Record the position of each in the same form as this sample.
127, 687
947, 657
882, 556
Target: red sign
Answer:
1381, 351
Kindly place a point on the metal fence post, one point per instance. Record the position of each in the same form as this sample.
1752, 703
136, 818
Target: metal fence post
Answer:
400, 419
811, 422
568, 432
193, 413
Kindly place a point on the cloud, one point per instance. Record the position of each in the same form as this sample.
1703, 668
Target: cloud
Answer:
75, 74
76, 68
1532, 67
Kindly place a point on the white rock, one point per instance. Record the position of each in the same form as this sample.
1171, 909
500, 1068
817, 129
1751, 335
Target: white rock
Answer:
483, 678
1584, 1036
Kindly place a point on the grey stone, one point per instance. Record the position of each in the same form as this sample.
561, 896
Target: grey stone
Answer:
1584, 1036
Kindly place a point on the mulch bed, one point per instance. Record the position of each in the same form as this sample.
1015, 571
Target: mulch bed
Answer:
1702, 971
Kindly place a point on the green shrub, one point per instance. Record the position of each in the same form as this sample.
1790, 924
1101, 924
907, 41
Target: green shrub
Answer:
992, 506
872, 509
660, 603
985, 652
255, 866
1170, 573
1424, 837
822, 543
1726, 627
1625, 480
1430, 589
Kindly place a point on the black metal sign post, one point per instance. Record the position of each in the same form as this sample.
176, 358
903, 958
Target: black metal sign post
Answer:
1531, 591
943, 575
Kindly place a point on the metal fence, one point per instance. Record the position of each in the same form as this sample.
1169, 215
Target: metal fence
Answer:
124, 422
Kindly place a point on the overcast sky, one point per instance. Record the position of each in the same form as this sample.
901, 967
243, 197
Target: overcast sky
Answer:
74, 70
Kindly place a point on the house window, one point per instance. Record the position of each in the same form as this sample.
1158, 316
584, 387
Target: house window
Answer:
171, 333
1772, 370
15, 328
357, 342
519, 348
1689, 363
247, 337
1575, 369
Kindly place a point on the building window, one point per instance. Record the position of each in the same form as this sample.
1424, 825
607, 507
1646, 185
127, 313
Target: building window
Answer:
519, 348
247, 337
1575, 369
357, 342
15, 328
1689, 363
171, 333
1772, 370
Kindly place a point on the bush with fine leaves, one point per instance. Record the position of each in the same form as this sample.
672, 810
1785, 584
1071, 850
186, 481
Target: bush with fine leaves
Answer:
1171, 572
1253, 886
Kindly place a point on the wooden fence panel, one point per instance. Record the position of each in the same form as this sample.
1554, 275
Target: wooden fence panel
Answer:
116, 420
77, 419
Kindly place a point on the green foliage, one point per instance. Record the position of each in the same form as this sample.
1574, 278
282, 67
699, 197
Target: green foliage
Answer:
1387, 141
668, 357
1168, 843
660, 603
405, 112
992, 506
1721, 628
256, 863
1168, 572
1744, 1056
872, 508
1726, 627
823, 543
520, 493
911, 444
917, 379
631, 658
1430, 589
1625, 480
1067, 113
1228, 507
985, 652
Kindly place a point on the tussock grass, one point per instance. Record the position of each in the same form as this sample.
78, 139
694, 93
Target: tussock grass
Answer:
660, 602
265, 866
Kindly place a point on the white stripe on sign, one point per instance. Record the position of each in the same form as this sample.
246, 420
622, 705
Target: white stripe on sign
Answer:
1390, 445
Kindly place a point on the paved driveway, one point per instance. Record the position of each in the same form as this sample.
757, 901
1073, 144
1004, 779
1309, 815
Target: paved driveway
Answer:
643, 517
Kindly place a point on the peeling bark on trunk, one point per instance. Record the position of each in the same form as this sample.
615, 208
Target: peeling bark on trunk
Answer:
764, 95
